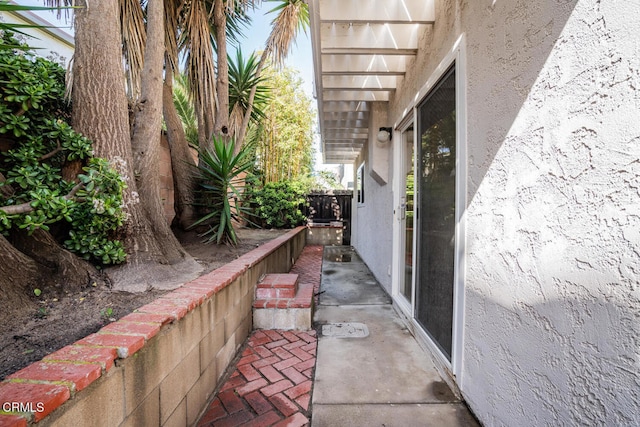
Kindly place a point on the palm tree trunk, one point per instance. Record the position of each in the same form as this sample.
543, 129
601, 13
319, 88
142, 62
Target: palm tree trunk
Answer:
146, 133
43, 264
101, 113
222, 85
182, 164
101, 110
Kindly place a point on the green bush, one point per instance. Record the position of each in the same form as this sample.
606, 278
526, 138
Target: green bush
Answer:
36, 145
280, 204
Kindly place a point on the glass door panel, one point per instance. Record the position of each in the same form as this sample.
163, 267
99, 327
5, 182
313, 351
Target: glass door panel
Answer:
436, 210
406, 205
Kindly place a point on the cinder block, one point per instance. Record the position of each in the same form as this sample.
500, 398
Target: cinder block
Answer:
263, 318
234, 293
304, 318
220, 305
200, 393
232, 320
176, 385
242, 333
208, 315
246, 304
245, 285
147, 413
284, 319
100, 404
225, 355
210, 346
146, 370
179, 417
191, 330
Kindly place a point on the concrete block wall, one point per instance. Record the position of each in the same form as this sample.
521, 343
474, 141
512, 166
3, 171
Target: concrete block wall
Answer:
324, 235
156, 366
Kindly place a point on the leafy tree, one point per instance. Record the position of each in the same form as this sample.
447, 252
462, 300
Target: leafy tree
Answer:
125, 124
39, 145
292, 16
285, 149
49, 181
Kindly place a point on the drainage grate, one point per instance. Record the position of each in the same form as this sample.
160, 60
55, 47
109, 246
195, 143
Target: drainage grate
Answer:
345, 330
340, 258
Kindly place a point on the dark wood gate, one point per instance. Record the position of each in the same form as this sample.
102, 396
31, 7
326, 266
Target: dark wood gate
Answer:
325, 207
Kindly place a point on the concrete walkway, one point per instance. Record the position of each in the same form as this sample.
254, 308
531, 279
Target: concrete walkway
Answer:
362, 369
383, 378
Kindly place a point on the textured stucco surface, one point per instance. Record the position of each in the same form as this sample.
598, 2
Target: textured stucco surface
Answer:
552, 291
372, 231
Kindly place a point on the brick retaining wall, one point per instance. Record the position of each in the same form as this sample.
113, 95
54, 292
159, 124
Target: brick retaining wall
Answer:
156, 366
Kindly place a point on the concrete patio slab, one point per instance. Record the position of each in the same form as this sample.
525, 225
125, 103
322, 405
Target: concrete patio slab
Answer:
388, 366
346, 279
393, 415
384, 378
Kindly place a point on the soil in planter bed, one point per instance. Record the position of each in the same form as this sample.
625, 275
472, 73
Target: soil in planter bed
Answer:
57, 322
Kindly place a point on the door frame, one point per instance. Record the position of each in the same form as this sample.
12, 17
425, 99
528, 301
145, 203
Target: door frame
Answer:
456, 56
399, 188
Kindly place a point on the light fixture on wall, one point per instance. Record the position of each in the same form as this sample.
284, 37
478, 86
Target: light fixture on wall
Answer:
384, 134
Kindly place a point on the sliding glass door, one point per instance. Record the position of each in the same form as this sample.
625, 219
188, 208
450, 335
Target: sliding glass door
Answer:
436, 211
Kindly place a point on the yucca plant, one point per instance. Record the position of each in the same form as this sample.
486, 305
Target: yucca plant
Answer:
243, 78
222, 173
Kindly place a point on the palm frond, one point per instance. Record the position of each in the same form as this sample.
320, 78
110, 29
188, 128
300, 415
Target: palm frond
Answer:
195, 40
172, 9
292, 16
185, 108
237, 23
62, 6
134, 39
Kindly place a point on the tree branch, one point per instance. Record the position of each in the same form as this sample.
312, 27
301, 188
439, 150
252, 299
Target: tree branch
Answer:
51, 154
26, 207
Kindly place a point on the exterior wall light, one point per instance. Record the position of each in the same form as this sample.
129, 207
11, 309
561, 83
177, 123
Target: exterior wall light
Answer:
384, 134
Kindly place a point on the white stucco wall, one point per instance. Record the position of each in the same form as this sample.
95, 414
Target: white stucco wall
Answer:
552, 299
372, 231
51, 43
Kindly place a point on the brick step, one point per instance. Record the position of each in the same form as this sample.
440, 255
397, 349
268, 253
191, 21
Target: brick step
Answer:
302, 299
277, 286
283, 303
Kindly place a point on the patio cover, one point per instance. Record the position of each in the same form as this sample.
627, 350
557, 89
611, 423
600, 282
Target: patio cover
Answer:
361, 49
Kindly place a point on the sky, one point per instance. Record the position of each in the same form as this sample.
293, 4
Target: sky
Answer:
300, 57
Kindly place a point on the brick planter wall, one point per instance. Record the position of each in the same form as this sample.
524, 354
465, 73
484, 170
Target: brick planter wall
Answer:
156, 366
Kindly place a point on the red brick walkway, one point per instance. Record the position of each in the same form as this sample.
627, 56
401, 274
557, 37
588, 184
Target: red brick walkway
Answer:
272, 382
